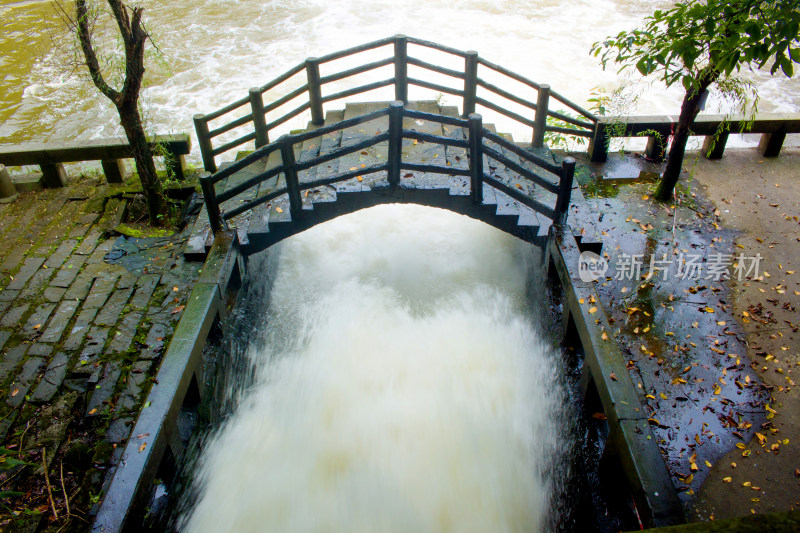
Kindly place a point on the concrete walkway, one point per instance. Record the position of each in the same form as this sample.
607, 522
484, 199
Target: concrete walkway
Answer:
84, 317
716, 360
760, 200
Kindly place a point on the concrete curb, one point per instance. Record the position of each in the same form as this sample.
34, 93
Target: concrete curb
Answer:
631, 445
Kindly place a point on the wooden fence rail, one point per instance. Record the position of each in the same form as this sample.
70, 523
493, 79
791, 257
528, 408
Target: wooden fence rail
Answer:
251, 111
476, 143
772, 127
110, 152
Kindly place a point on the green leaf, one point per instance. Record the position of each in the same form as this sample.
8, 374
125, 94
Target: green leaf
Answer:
687, 82
786, 66
11, 462
795, 54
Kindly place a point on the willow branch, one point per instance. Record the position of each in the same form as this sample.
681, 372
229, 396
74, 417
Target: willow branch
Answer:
134, 57
85, 39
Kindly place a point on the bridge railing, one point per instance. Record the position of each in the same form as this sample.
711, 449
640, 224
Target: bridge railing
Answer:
50, 156
479, 142
714, 128
472, 86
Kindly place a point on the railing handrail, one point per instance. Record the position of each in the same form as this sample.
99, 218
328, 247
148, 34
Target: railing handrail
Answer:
773, 128
401, 81
475, 142
109, 151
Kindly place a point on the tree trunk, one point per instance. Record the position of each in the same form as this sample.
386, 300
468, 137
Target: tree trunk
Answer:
689, 110
143, 157
126, 100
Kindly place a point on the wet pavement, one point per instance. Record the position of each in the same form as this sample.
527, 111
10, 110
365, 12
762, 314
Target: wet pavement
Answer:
696, 289
85, 314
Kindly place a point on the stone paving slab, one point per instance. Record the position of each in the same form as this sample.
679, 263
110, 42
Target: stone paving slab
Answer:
64, 313
13, 317
28, 269
66, 275
52, 379
124, 332
110, 312
19, 389
11, 358
79, 330
84, 318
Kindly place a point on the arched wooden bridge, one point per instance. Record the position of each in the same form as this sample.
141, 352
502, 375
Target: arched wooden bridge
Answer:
388, 152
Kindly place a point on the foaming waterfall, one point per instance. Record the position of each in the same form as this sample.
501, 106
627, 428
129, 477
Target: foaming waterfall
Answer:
400, 386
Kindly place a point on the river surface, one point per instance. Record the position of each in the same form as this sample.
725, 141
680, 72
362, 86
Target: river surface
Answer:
213, 51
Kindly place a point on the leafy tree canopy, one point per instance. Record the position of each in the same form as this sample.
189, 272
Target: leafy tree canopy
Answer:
703, 42
715, 37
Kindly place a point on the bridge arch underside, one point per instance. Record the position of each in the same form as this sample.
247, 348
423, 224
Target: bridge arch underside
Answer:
497, 209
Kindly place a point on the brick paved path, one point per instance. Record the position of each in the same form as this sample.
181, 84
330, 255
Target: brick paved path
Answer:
84, 318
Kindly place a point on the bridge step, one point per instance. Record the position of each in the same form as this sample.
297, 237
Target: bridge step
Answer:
271, 222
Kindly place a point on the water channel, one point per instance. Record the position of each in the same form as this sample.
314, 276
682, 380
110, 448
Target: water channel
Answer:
398, 381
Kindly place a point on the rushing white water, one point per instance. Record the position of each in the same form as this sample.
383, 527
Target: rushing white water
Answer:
409, 390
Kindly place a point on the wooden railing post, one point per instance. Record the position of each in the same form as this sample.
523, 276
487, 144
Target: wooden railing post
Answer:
212, 206
714, 145
476, 157
292, 183
564, 190
598, 144
395, 141
259, 121
401, 68
314, 91
470, 82
204, 141
540, 122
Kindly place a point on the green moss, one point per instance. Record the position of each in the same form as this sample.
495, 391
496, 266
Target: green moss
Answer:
140, 233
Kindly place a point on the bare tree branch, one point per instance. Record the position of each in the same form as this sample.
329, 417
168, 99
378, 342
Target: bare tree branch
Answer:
124, 23
85, 39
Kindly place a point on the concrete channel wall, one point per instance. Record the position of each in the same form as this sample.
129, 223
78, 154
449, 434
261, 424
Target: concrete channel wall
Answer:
631, 446
156, 442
